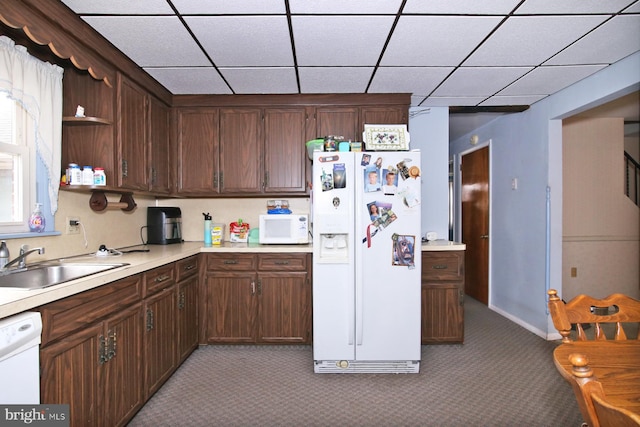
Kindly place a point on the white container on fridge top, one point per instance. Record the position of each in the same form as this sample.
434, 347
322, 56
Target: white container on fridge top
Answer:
366, 262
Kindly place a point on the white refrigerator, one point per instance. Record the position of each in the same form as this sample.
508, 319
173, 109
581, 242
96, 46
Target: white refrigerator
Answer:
366, 262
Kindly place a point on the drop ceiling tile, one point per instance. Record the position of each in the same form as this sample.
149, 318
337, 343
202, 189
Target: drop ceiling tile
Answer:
466, 7
186, 81
218, 7
446, 101
261, 80
334, 79
340, 40
416, 80
435, 40
157, 41
548, 80
512, 100
572, 6
531, 40
120, 7
633, 9
479, 81
361, 7
240, 41
607, 44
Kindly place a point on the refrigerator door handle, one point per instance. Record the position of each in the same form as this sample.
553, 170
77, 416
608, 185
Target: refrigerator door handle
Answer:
359, 314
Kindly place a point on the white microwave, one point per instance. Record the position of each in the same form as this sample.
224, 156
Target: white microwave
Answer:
284, 229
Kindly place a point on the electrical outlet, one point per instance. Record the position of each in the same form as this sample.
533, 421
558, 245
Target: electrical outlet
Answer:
73, 225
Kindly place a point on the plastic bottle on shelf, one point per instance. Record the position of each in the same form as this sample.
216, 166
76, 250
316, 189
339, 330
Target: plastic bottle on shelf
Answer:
74, 175
87, 175
99, 177
207, 229
36, 220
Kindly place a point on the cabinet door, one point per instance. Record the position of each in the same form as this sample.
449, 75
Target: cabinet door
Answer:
122, 382
231, 307
159, 172
197, 145
187, 317
159, 337
442, 313
285, 153
70, 374
383, 116
132, 135
338, 121
241, 147
284, 309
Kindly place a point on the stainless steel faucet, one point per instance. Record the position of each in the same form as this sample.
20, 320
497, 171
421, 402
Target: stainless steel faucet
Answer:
22, 258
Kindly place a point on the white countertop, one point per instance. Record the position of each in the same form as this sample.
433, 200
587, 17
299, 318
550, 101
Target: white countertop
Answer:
13, 301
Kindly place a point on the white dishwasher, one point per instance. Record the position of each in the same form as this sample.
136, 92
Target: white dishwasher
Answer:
20, 358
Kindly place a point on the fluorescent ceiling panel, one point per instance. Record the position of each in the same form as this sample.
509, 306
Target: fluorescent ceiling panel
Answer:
572, 6
361, 7
548, 80
241, 41
435, 40
530, 40
462, 7
416, 80
334, 80
120, 7
261, 80
218, 7
340, 40
479, 81
607, 44
184, 81
157, 41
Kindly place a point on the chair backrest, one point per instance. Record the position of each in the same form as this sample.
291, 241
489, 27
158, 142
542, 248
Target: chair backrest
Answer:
611, 416
616, 309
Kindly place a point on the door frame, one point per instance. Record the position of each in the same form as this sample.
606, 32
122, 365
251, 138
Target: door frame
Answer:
457, 206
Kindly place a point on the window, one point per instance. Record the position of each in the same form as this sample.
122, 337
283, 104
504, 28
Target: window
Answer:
17, 166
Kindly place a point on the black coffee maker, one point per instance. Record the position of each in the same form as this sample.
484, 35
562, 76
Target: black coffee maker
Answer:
164, 225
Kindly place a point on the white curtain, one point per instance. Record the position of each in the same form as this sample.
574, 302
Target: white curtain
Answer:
37, 86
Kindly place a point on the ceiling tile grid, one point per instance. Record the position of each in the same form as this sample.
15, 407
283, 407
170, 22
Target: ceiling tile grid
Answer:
444, 52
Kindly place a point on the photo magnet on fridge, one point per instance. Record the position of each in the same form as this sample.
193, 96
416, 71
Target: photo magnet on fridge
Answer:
403, 250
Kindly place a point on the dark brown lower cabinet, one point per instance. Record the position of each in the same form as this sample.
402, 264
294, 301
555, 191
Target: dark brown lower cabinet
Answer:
97, 371
442, 297
256, 298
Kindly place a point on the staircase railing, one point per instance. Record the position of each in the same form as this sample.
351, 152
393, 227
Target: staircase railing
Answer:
632, 176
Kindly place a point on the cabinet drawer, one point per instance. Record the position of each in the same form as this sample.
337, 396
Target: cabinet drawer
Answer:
442, 265
282, 262
187, 267
231, 262
60, 318
159, 278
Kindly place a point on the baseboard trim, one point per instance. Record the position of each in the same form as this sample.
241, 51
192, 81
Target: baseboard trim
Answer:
527, 326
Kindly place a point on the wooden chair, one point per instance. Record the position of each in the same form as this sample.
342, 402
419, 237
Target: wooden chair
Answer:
583, 309
611, 416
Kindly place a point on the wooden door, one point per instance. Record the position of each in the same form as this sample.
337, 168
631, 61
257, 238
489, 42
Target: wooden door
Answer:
197, 141
231, 307
159, 337
69, 374
285, 152
241, 145
187, 317
122, 383
475, 223
159, 172
338, 121
284, 309
132, 136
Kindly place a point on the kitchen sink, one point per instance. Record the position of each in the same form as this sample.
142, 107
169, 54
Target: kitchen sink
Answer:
40, 276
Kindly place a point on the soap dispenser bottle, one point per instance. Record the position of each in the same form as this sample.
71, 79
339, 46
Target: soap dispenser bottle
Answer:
4, 254
207, 229
36, 220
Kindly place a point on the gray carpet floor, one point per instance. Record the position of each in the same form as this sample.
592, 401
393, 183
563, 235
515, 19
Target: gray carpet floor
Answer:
502, 375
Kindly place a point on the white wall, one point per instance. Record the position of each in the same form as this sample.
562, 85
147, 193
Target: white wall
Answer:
528, 146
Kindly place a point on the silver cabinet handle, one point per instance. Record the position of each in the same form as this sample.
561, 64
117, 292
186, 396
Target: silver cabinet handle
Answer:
484, 236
